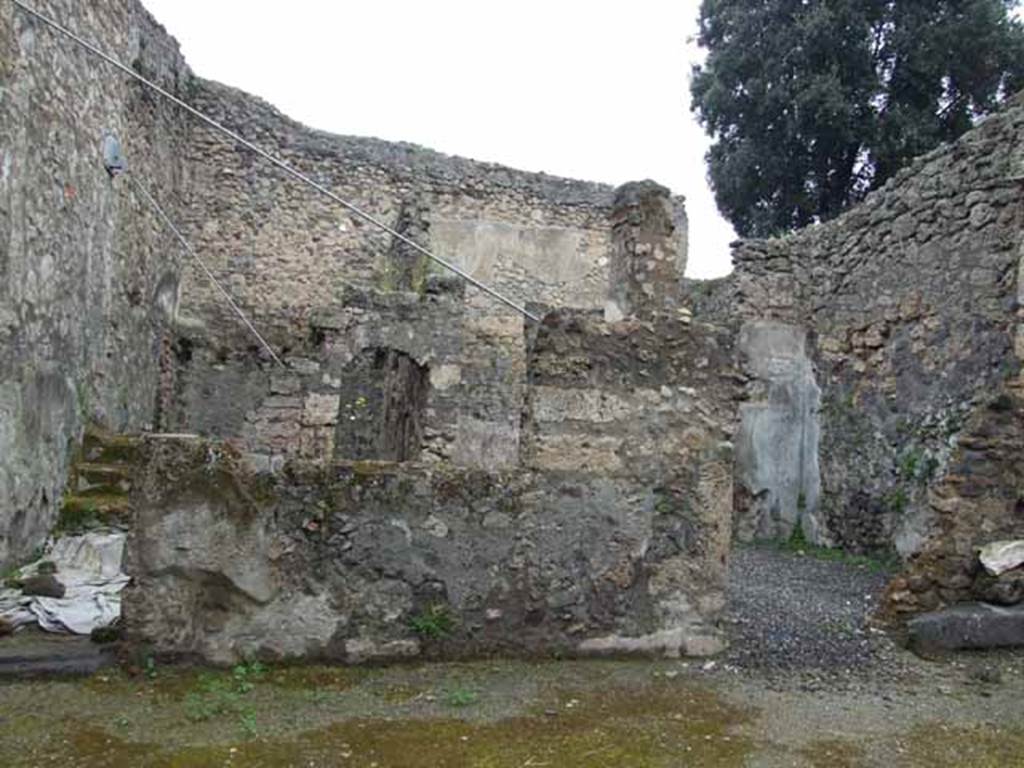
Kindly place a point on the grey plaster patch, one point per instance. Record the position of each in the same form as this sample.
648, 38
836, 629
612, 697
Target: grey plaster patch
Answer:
777, 445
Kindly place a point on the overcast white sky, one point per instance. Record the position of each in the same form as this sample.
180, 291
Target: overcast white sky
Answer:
589, 89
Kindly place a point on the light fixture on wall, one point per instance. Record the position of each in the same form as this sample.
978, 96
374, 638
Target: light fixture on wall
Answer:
113, 158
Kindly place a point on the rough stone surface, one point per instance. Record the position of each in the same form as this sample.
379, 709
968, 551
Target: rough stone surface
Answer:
911, 303
649, 240
292, 256
87, 278
573, 482
968, 626
609, 537
99, 323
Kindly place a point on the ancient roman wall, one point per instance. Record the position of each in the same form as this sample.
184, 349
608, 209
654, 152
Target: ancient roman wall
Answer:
87, 277
297, 262
426, 474
899, 363
349, 513
611, 538
289, 254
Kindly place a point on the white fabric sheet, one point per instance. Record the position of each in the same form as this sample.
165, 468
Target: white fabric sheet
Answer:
89, 567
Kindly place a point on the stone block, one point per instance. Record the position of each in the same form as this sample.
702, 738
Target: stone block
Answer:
320, 410
969, 626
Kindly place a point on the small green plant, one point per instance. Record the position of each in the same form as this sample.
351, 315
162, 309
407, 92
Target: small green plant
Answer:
896, 500
247, 720
76, 516
223, 694
435, 622
246, 674
149, 668
909, 464
797, 541
11, 578
357, 408
798, 544
461, 697
663, 505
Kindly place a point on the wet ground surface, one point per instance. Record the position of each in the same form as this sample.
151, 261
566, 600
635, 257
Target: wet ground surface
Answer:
806, 690
33, 652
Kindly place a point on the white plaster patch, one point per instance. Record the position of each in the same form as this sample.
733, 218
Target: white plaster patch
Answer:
403, 527
5, 167
361, 650
436, 527
445, 376
612, 312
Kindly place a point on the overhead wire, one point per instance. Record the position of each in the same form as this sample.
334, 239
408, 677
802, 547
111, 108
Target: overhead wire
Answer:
147, 196
274, 160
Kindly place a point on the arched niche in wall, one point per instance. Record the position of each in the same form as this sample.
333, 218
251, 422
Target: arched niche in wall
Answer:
380, 414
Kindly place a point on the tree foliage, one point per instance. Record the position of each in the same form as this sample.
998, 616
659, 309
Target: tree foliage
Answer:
813, 103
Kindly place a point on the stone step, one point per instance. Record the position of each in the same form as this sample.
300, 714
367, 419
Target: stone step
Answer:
93, 509
33, 653
101, 447
113, 478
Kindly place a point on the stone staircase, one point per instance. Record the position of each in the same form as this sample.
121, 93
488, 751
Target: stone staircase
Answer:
97, 497
100, 483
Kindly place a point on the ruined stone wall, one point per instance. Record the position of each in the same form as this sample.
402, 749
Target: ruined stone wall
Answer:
904, 312
643, 411
294, 260
87, 277
288, 254
611, 539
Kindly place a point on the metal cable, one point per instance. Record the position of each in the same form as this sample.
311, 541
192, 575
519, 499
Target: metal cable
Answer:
145, 194
277, 162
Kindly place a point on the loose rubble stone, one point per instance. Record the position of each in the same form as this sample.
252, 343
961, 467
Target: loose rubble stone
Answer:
1002, 556
45, 585
967, 626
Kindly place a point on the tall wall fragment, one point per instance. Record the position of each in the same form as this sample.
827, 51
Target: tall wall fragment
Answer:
87, 277
911, 308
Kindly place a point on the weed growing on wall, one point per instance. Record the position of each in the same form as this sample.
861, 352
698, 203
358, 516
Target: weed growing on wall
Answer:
435, 622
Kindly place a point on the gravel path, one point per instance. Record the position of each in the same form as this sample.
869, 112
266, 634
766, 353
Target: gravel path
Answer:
794, 613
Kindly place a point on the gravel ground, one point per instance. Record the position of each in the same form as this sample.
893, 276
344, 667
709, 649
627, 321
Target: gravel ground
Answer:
793, 613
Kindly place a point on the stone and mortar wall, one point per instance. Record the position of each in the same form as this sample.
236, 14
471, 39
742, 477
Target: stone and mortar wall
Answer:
907, 310
272, 414
87, 277
614, 542
285, 250
297, 262
611, 539
644, 409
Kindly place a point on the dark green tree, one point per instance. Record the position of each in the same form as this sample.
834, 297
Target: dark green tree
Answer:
813, 103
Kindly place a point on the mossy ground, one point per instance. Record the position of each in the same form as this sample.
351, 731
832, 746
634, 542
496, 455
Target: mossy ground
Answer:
446, 715
483, 715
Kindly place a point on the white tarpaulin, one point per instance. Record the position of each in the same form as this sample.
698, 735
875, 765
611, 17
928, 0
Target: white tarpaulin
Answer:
89, 567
